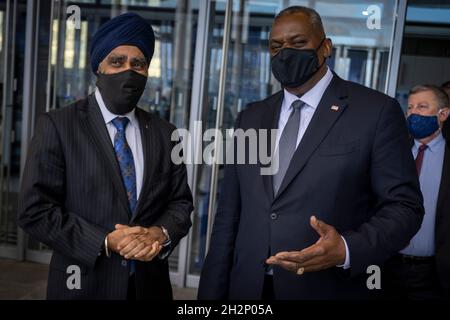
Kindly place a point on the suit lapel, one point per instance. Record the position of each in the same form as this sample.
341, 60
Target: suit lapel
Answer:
149, 143
323, 120
444, 188
270, 121
95, 126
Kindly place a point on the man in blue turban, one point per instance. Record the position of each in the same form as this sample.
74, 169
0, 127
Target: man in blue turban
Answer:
121, 52
99, 186
127, 29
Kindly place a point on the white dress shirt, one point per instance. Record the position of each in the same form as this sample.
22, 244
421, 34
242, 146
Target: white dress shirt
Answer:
311, 99
423, 243
132, 134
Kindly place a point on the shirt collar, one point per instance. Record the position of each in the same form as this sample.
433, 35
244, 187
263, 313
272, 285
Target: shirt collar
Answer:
108, 116
314, 95
433, 145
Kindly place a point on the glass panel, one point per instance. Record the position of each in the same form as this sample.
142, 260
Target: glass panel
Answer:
147, 3
39, 74
12, 35
248, 79
358, 64
359, 28
170, 75
361, 32
425, 57
201, 190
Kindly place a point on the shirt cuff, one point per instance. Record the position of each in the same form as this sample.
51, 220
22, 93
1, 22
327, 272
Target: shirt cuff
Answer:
166, 246
346, 264
165, 251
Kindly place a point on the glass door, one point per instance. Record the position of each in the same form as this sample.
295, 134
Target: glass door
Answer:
12, 35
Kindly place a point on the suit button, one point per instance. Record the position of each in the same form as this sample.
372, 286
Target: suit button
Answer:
274, 216
124, 263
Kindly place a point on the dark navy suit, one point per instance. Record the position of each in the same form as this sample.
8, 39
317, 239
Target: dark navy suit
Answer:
353, 169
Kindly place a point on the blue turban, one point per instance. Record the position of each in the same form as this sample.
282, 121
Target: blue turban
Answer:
126, 29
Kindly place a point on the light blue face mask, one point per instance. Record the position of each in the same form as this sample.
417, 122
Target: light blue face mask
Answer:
422, 126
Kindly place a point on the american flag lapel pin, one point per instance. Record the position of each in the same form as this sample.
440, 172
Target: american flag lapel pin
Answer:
334, 108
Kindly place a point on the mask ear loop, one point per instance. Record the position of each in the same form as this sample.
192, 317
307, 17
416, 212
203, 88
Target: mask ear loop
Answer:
437, 115
321, 42
324, 60
447, 112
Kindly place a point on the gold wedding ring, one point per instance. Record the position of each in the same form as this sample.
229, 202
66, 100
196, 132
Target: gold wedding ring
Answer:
300, 271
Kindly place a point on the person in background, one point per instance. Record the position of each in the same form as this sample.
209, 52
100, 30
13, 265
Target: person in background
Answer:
422, 269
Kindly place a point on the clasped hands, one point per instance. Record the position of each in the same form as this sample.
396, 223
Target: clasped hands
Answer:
136, 243
329, 251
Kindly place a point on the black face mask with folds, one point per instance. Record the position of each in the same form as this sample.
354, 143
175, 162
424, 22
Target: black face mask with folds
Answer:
121, 91
294, 67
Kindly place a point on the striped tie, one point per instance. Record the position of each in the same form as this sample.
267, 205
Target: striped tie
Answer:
125, 159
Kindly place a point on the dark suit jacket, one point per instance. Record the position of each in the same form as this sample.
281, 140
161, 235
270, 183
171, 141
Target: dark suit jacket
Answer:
442, 231
446, 129
72, 195
353, 169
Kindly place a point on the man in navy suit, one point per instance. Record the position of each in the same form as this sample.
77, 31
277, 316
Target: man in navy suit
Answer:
346, 194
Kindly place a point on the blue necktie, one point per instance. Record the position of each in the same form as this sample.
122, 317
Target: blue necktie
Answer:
126, 163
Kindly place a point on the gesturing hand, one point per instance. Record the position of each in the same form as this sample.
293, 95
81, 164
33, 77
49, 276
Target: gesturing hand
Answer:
327, 252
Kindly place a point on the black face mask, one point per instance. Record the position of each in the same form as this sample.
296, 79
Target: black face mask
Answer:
121, 91
293, 67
